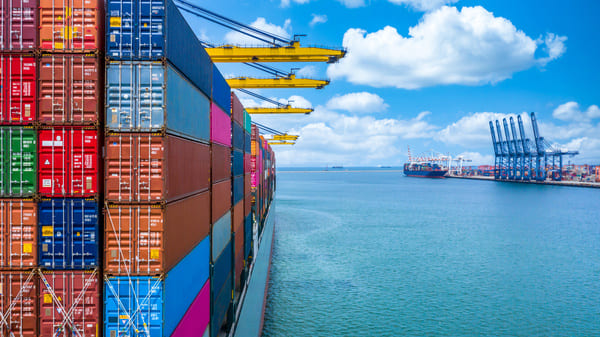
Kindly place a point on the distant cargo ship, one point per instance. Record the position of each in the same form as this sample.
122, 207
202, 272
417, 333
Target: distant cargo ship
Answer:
426, 166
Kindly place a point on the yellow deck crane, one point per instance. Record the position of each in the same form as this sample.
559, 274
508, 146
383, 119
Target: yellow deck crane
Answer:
279, 108
277, 137
275, 83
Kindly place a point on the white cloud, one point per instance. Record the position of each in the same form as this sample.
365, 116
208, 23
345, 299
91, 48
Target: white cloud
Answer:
570, 111
358, 102
353, 3
286, 3
472, 131
475, 158
448, 46
317, 19
423, 5
262, 24
307, 71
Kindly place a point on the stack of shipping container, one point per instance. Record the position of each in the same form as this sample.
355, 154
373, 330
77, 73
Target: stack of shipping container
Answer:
262, 166
125, 174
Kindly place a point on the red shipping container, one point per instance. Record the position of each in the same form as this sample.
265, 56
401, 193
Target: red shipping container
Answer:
19, 290
247, 204
247, 162
17, 96
70, 89
71, 25
150, 239
152, 168
69, 303
237, 109
221, 162
18, 233
221, 199
68, 162
19, 25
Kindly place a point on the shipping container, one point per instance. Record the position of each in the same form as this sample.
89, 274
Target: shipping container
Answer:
237, 167
68, 161
247, 143
238, 136
221, 301
238, 215
220, 126
238, 251
18, 299
240, 264
247, 185
247, 203
150, 239
133, 305
70, 89
247, 123
221, 267
247, 235
71, 25
69, 303
247, 163
18, 89
18, 25
18, 233
18, 161
221, 163
221, 92
238, 189
221, 199
154, 97
154, 31
221, 234
146, 167
68, 234
237, 109
197, 318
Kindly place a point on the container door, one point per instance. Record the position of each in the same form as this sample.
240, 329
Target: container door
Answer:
21, 165
22, 29
21, 72
120, 100
19, 290
150, 95
151, 21
54, 31
53, 233
149, 242
118, 242
120, 167
3, 116
84, 24
53, 154
84, 162
84, 231
53, 88
150, 176
85, 89
120, 28
18, 233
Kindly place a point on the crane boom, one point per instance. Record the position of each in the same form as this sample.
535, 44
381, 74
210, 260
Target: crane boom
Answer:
275, 83
496, 151
291, 53
281, 110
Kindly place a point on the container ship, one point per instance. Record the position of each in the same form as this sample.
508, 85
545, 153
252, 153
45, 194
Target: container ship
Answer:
427, 166
136, 195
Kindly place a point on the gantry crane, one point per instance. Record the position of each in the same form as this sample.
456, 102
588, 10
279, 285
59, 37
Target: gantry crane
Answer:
277, 137
279, 108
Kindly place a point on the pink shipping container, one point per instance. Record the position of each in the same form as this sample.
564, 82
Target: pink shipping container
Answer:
19, 25
196, 319
69, 304
68, 162
220, 126
17, 96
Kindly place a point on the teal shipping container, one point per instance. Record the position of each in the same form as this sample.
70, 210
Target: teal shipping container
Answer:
148, 96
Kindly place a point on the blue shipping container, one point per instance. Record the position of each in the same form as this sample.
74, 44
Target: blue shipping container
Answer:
184, 282
221, 300
152, 97
247, 143
238, 135
68, 234
238, 189
221, 234
222, 267
153, 30
237, 163
133, 306
221, 92
247, 235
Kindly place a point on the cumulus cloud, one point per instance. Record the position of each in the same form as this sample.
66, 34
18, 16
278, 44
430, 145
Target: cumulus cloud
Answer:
307, 71
317, 19
476, 158
358, 102
262, 24
353, 3
423, 5
287, 3
448, 46
571, 111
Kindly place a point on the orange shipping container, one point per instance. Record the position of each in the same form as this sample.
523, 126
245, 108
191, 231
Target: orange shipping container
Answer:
71, 25
151, 167
149, 239
18, 233
19, 294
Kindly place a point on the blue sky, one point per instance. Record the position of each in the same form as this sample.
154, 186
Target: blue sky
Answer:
429, 74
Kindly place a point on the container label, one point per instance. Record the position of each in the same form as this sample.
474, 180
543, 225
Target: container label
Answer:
47, 231
47, 182
52, 143
47, 298
115, 21
154, 254
27, 248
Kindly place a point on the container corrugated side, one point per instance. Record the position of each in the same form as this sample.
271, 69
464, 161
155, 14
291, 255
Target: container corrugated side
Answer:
124, 312
154, 31
196, 320
237, 109
247, 122
144, 167
18, 161
247, 235
238, 189
221, 199
247, 143
18, 233
144, 96
19, 289
68, 234
18, 89
19, 25
221, 267
221, 163
221, 234
77, 293
150, 239
221, 301
220, 126
238, 136
221, 92
237, 163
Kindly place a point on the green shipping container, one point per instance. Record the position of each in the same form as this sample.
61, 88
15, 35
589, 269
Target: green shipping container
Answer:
18, 162
247, 122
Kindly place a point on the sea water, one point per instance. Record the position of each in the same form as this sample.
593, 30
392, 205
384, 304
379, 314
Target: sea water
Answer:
375, 253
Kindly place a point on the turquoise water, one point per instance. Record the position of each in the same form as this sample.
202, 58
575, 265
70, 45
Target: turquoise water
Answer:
379, 254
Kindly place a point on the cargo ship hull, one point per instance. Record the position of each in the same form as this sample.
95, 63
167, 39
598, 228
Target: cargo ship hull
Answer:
426, 174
